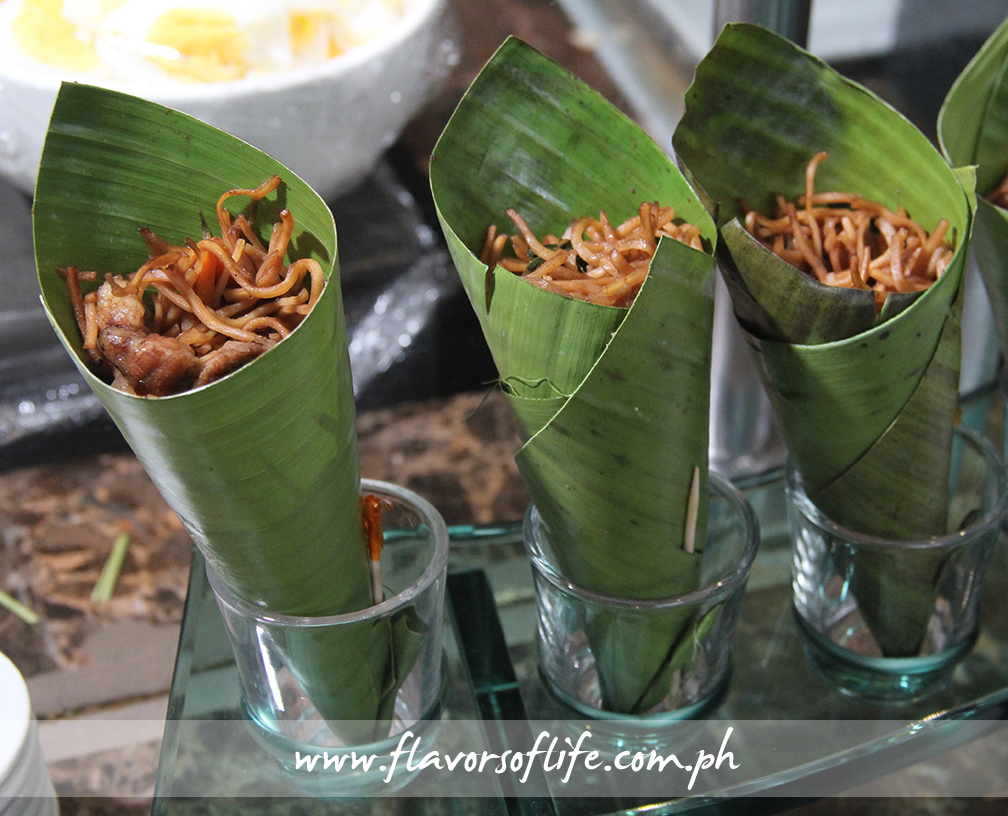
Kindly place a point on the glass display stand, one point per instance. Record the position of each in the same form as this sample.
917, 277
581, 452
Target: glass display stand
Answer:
211, 761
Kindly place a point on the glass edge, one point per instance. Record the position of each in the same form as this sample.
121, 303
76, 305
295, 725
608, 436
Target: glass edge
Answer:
436, 568
720, 487
799, 498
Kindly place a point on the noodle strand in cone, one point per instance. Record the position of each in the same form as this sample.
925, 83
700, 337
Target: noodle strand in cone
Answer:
261, 465
866, 402
613, 403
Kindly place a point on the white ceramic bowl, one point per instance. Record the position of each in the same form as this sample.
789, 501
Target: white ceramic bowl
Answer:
329, 123
25, 787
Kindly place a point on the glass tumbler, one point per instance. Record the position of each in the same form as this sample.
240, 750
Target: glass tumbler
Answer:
700, 623
890, 619
271, 649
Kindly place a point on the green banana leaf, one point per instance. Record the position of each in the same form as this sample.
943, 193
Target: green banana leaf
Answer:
973, 130
260, 466
866, 404
613, 403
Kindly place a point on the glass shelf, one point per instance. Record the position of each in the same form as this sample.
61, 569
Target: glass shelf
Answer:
211, 758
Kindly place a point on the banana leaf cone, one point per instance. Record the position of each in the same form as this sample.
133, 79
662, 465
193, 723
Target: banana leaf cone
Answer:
973, 130
867, 403
612, 403
261, 466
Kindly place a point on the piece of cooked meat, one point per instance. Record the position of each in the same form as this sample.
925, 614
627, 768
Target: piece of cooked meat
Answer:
150, 364
229, 357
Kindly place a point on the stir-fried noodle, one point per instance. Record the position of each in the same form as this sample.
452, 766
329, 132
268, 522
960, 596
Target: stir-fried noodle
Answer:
193, 313
593, 260
845, 240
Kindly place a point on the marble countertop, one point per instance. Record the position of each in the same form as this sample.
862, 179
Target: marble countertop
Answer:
59, 520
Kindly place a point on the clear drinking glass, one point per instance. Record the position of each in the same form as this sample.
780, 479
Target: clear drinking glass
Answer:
567, 614
918, 589
268, 646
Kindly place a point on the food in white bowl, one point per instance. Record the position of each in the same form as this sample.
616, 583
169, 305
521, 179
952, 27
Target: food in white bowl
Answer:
325, 86
189, 40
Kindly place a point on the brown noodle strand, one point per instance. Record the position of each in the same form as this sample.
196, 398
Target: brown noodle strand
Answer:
593, 260
216, 302
842, 239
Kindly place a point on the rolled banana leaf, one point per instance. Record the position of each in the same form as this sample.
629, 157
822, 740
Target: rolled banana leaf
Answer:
866, 404
973, 130
613, 403
261, 466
